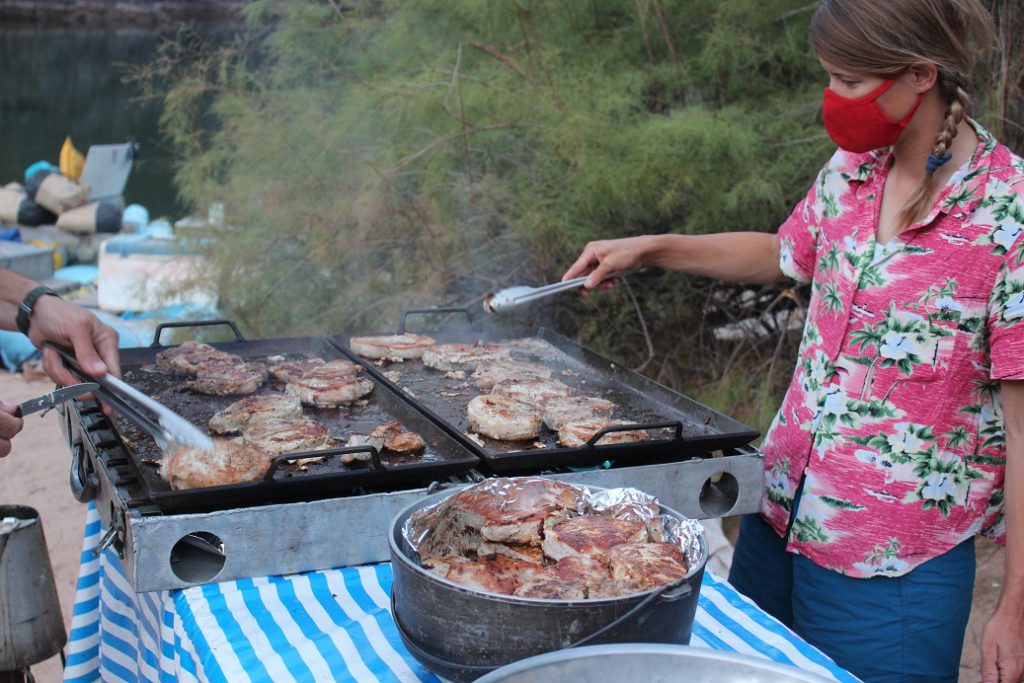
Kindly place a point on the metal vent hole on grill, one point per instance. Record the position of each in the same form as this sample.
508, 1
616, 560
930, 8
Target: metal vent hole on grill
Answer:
198, 557
719, 494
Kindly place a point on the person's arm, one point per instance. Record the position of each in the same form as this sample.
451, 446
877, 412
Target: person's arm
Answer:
751, 257
56, 320
1002, 640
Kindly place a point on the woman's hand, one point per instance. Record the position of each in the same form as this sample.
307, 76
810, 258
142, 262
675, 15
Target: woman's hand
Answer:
9, 426
1002, 648
605, 257
95, 344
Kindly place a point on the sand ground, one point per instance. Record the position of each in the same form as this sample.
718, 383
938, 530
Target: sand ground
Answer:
36, 474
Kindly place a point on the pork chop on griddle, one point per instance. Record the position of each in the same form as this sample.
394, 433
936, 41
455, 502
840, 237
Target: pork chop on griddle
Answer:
391, 436
647, 564
503, 418
276, 437
392, 347
559, 411
190, 357
507, 370
231, 462
236, 416
449, 357
287, 370
576, 434
591, 536
330, 385
228, 378
535, 392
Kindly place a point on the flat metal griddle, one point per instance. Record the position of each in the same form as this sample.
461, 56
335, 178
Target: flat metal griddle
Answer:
679, 427
444, 456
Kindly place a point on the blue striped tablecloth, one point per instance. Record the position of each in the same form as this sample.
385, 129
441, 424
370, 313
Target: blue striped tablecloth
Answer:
332, 625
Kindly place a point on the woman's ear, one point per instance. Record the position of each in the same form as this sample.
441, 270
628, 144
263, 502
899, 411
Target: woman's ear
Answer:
923, 76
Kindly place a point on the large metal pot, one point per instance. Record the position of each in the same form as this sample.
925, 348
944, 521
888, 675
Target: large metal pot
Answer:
462, 634
648, 663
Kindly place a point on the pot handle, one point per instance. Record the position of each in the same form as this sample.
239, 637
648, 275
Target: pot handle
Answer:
376, 464
663, 594
193, 323
440, 309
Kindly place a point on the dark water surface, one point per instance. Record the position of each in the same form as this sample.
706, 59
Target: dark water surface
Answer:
59, 82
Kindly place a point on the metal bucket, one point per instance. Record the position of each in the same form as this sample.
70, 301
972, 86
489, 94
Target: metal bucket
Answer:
462, 634
31, 625
648, 663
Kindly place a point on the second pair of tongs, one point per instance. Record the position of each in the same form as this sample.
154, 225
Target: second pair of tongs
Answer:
511, 297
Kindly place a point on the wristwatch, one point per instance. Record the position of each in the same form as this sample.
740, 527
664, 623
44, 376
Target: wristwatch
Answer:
24, 316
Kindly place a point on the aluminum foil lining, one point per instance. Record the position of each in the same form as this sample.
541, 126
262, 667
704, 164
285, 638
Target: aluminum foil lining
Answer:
430, 531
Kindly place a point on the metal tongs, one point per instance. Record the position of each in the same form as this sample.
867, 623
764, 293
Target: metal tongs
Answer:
512, 297
171, 429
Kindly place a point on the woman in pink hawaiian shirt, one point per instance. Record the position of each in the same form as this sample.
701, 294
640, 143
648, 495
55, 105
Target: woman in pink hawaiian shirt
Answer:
902, 433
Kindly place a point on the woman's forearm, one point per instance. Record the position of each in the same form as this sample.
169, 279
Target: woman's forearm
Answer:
751, 257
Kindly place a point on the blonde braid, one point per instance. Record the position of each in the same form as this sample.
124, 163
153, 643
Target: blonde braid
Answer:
919, 203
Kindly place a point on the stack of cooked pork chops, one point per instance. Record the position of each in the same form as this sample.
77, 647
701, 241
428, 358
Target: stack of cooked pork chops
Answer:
540, 538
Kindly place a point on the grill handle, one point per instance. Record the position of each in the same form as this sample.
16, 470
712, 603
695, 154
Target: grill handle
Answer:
193, 323
375, 461
440, 309
674, 424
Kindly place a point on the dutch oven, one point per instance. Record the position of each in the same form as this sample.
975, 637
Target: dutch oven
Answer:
462, 634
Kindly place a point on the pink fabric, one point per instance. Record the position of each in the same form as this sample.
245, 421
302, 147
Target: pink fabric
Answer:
894, 418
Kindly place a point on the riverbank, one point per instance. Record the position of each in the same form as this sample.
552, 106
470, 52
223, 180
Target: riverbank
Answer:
116, 13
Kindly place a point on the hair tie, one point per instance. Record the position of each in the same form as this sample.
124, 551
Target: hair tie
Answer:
934, 162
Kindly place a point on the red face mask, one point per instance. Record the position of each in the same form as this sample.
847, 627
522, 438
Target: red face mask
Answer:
859, 124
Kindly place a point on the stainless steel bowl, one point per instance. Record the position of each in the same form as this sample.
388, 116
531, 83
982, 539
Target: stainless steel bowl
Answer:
648, 663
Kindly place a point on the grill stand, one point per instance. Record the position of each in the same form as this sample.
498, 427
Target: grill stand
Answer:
164, 551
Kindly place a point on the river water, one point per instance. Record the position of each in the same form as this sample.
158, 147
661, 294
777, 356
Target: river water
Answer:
59, 82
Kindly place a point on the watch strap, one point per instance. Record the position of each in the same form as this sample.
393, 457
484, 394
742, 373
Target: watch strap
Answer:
24, 317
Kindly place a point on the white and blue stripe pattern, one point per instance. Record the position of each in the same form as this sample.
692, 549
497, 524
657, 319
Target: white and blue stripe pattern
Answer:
332, 625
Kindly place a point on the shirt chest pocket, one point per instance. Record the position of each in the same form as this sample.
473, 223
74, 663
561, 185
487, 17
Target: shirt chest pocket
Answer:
918, 343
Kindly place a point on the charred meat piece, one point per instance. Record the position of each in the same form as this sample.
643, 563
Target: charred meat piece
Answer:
535, 392
547, 585
558, 411
576, 434
647, 565
392, 347
496, 574
524, 553
503, 418
228, 378
591, 536
236, 416
188, 358
390, 436
286, 371
330, 385
449, 357
505, 371
231, 462
277, 437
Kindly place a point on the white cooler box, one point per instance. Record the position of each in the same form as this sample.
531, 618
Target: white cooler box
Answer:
141, 274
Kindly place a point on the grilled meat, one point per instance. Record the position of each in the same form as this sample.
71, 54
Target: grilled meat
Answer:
405, 442
505, 371
236, 416
392, 347
647, 565
558, 411
277, 437
330, 385
496, 574
286, 371
576, 434
524, 553
504, 418
535, 392
449, 357
547, 585
231, 462
391, 436
190, 357
228, 378
591, 536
